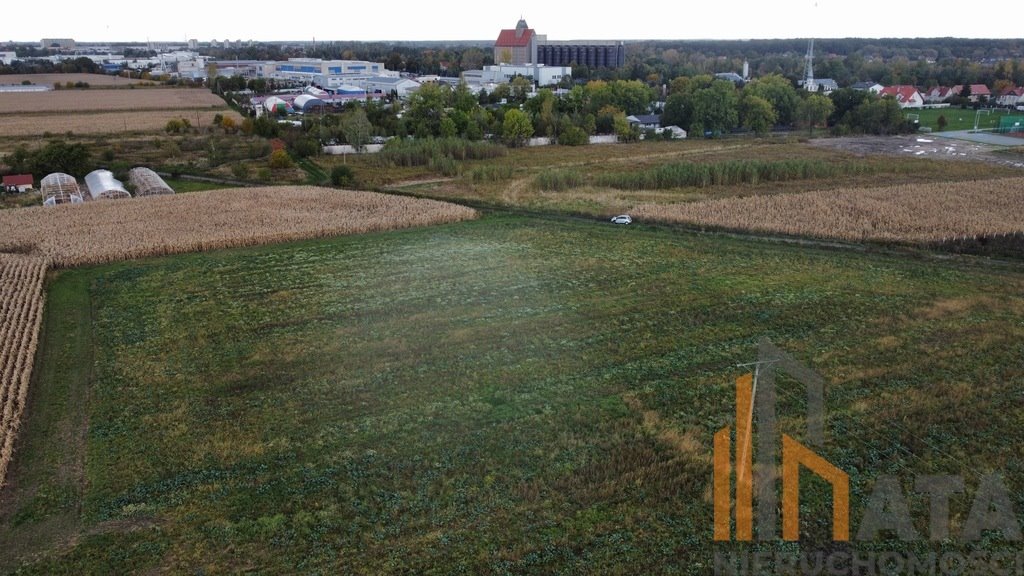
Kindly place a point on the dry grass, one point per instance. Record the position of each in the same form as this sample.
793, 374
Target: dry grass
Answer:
92, 79
21, 311
910, 213
97, 232
76, 101
104, 122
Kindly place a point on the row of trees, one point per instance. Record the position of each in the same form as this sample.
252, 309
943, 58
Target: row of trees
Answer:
702, 105
439, 111
55, 156
705, 105
81, 65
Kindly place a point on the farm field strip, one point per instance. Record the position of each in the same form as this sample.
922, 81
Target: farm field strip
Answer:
105, 122
909, 213
74, 101
115, 230
92, 79
21, 311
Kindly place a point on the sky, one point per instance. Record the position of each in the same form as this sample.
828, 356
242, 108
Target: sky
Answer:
110, 21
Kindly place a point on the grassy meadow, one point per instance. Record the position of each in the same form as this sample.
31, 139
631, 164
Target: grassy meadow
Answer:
603, 180
503, 396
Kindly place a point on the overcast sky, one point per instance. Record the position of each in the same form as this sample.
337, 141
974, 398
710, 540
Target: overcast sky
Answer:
105, 20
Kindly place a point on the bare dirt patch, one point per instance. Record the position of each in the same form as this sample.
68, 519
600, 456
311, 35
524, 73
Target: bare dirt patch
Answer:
918, 146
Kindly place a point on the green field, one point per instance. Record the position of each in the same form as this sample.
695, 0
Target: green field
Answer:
960, 118
502, 396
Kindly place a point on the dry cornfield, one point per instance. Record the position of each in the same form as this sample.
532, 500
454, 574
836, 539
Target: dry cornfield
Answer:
96, 232
104, 122
74, 101
21, 312
912, 213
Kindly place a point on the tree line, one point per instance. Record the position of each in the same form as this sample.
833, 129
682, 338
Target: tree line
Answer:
704, 105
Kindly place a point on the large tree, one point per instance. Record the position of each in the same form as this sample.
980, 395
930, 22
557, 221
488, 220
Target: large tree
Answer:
356, 128
814, 111
426, 109
516, 128
779, 92
757, 114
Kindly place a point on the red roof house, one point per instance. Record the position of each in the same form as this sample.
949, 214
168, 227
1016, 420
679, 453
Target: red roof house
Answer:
19, 182
938, 94
977, 91
906, 96
1011, 97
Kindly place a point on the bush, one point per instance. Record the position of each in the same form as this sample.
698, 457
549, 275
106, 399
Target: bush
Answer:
573, 136
445, 165
558, 180
280, 160
401, 152
492, 173
342, 176
240, 171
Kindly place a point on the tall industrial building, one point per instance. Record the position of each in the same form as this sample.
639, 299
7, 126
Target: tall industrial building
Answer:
522, 45
516, 46
595, 54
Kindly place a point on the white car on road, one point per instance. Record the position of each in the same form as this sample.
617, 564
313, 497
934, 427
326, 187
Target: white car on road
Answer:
622, 219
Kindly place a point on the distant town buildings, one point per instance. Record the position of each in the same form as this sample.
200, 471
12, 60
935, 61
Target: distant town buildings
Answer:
7, 57
522, 45
58, 43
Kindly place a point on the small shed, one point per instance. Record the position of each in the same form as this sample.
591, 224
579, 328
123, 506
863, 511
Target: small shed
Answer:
60, 188
103, 186
18, 183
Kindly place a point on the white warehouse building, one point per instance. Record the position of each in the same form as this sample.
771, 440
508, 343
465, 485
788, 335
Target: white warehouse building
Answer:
402, 87
328, 74
542, 75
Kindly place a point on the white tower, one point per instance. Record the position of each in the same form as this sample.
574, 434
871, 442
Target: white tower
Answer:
809, 83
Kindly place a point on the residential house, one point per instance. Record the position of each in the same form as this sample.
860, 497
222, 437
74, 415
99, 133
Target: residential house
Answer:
874, 87
979, 92
18, 183
938, 95
1011, 97
645, 121
906, 96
